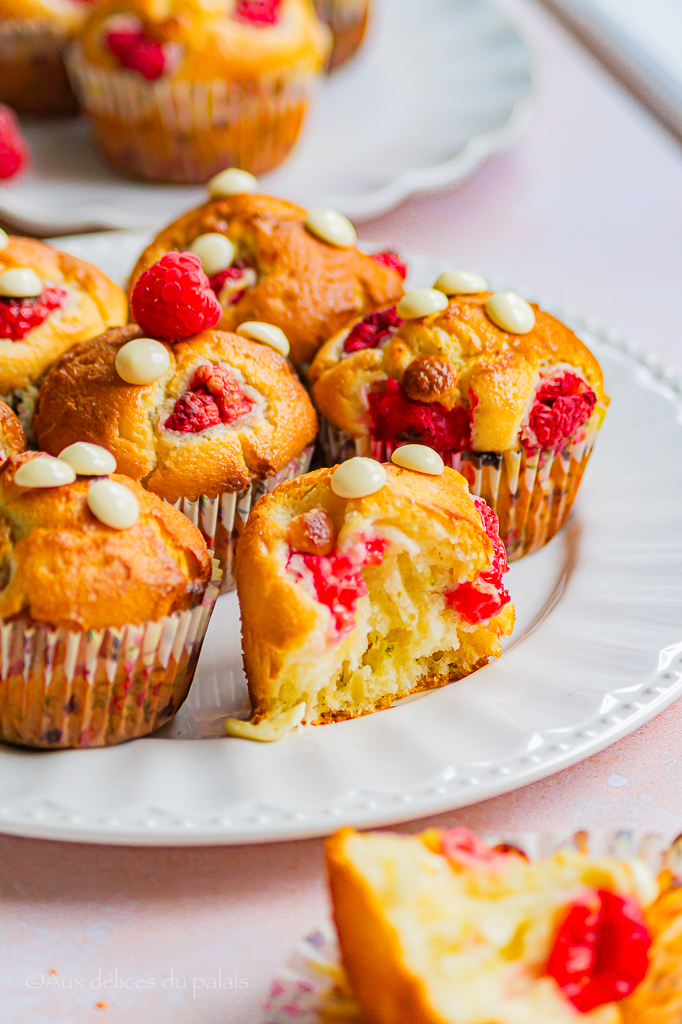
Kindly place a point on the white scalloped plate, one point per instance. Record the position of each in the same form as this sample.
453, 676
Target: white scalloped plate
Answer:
596, 652
440, 86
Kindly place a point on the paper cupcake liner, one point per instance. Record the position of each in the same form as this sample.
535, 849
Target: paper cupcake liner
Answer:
348, 20
312, 989
181, 131
532, 495
63, 688
33, 78
221, 520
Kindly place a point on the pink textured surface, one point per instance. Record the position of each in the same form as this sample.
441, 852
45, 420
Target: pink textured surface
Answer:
586, 208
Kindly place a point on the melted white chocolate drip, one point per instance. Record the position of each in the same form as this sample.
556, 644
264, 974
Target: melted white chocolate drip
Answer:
268, 729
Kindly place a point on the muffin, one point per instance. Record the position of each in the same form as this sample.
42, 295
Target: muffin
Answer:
351, 603
177, 93
33, 35
48, 302
223, 421
106, 596
279, 271
439, 928
504, 391
12, 436
348, 20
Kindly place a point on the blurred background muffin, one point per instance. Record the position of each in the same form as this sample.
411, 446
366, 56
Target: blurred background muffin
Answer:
178, 92
275, 268
33, 35
348, 21
105, 596
504, 391
49, 300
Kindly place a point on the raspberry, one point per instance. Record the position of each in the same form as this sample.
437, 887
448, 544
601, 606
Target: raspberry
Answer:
391, 259
485, 596
232, 273
466, 849
562, 404
371, 331
337, 579
14, 154
135, 51
600, 954
173, 299
18, 316
213, 397
395, 417
258, 12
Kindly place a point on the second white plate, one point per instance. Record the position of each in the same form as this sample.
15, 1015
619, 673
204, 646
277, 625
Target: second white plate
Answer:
440, 86
597, 651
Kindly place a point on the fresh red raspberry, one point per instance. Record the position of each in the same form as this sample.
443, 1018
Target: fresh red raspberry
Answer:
485, 596
562, 404
372, 330
135, 51
395, 418
173, 299
14, 154
18, 316
338, 580
600, 954
391, 259
213, 397
258, 12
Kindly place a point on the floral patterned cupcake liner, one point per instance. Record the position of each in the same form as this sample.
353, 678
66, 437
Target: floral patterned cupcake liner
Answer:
532, 495
63, 688
33, 78
221, 520
348, 21
180, 131
312, 988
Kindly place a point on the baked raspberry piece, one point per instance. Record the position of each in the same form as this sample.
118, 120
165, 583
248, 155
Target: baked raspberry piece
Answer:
337, 578
463, 847
19, 316
562, 404
241, 270
213, 397
136, 52
372, 330
173, 299
485, 596
14, 154
258, 12
397, 418
391, 259
600, 954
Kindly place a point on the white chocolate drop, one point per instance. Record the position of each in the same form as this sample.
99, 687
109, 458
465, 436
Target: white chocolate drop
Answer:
215, 252
113, 504
44, 471
142, 361
510, 312
4, 239
332, 227
460, 282
89, 459
419, 458
358, 478
266, 334
20, 283
268, 730
232, 182
421, 302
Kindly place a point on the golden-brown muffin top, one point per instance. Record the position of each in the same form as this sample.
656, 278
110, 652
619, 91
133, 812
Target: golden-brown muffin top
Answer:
60, 565
93, 303
67, 15
84, 399
308, 288
457, 359
204, 39
12, 436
